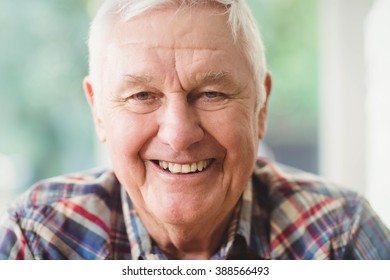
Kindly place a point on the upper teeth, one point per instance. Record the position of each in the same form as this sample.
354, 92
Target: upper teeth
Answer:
184, 168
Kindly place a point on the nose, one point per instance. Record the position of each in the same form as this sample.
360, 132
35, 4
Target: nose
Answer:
179, 125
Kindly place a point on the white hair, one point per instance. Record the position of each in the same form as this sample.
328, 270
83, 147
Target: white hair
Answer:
241, 21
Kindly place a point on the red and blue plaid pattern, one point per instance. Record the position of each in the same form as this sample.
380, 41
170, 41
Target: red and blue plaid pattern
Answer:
283, 214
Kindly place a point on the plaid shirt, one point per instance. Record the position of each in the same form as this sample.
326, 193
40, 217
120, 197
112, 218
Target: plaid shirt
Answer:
283, 214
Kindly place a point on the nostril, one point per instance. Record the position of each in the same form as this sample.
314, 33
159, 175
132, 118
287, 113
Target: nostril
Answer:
179, 126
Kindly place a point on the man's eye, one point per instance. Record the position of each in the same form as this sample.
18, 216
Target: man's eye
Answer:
143, 102
141, 96
209, 100
213, 94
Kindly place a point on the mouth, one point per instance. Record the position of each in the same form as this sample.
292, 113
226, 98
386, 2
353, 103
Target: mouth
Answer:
187, 168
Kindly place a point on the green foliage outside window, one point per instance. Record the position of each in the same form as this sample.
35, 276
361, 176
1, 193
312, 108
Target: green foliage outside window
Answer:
289, 29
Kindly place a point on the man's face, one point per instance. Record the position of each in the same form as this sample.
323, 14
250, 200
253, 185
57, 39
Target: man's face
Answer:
177, 111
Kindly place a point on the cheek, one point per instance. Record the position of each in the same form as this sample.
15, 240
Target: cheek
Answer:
236, 130
126, 134
128, 131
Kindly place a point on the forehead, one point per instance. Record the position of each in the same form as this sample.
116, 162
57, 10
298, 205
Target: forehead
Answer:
196, 39
170, 26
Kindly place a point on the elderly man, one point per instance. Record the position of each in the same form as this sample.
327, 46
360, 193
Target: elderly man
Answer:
179, 92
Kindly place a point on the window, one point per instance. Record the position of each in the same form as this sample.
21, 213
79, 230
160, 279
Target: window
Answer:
289, 30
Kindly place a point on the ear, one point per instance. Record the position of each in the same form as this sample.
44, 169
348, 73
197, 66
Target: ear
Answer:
91, 97
264, 107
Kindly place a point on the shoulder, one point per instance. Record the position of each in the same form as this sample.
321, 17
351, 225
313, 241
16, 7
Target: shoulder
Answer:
98, 184
66, 216
305, 209
84, 193
287, 183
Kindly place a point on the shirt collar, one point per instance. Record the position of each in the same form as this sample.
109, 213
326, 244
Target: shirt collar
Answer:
245, 217
239, 225
139, 239
250, 225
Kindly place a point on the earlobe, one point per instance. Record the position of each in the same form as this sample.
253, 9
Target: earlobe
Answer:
267, 86
91, 98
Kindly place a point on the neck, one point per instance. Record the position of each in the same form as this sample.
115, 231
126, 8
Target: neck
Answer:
190, 242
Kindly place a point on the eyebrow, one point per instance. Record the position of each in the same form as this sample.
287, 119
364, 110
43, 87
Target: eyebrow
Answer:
202, 79
218, 78
215, 77
145, 79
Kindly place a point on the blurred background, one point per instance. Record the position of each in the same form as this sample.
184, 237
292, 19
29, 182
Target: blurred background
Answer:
329, 108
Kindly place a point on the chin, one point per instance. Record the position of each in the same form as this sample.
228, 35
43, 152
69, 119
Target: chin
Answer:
181, 212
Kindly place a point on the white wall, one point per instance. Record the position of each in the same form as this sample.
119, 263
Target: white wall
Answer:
354, 104
378, 107
342, 91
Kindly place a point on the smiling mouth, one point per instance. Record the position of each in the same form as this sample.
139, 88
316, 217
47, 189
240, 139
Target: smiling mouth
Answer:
177, 168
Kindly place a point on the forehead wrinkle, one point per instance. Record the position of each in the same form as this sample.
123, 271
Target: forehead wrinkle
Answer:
157, 45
